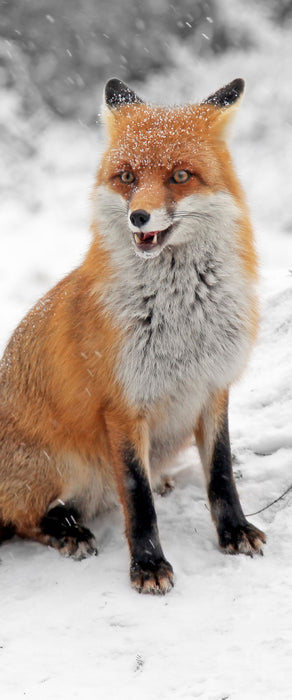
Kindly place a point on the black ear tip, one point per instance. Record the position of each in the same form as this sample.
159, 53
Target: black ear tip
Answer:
227, 95
238, 85
118, 93
113, 86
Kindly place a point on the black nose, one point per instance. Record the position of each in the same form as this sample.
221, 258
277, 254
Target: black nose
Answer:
139, 217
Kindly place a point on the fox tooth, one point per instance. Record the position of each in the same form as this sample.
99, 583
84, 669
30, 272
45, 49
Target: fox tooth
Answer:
137, 239
155, 239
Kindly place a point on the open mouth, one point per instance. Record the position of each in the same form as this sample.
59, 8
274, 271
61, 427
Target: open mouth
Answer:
147, 242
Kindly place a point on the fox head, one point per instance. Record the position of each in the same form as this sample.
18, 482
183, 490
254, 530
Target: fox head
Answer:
166, 170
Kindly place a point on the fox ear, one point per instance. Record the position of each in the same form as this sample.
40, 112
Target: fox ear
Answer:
226, 101
117, 94
228, 95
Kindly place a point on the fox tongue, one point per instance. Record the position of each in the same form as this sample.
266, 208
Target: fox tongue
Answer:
146, 236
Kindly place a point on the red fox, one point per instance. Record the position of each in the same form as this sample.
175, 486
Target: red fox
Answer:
133, 353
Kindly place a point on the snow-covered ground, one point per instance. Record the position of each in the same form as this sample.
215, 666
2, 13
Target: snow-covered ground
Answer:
76, 629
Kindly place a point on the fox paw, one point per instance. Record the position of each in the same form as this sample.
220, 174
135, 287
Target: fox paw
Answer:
156, 578
243, 539
60, 528
79, 545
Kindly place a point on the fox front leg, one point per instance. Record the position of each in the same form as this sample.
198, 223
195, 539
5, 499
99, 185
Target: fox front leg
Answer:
150, 572
235, 533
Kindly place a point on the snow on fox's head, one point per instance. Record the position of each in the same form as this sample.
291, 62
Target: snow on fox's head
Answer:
165, 168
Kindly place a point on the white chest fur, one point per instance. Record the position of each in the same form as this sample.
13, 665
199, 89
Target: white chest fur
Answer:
185, 312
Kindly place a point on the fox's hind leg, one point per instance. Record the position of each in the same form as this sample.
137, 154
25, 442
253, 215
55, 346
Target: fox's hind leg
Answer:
61, 528
235, 533
31, 481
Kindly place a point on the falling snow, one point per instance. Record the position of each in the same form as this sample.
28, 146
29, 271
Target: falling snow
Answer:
77, 629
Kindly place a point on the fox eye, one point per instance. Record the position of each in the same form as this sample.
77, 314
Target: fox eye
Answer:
127, 177
180, 176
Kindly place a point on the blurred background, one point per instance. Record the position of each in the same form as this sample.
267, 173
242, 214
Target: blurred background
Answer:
58, 53
55, 56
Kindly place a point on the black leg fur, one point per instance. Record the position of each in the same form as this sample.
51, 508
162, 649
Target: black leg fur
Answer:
149, 571
235, 533
62, 529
